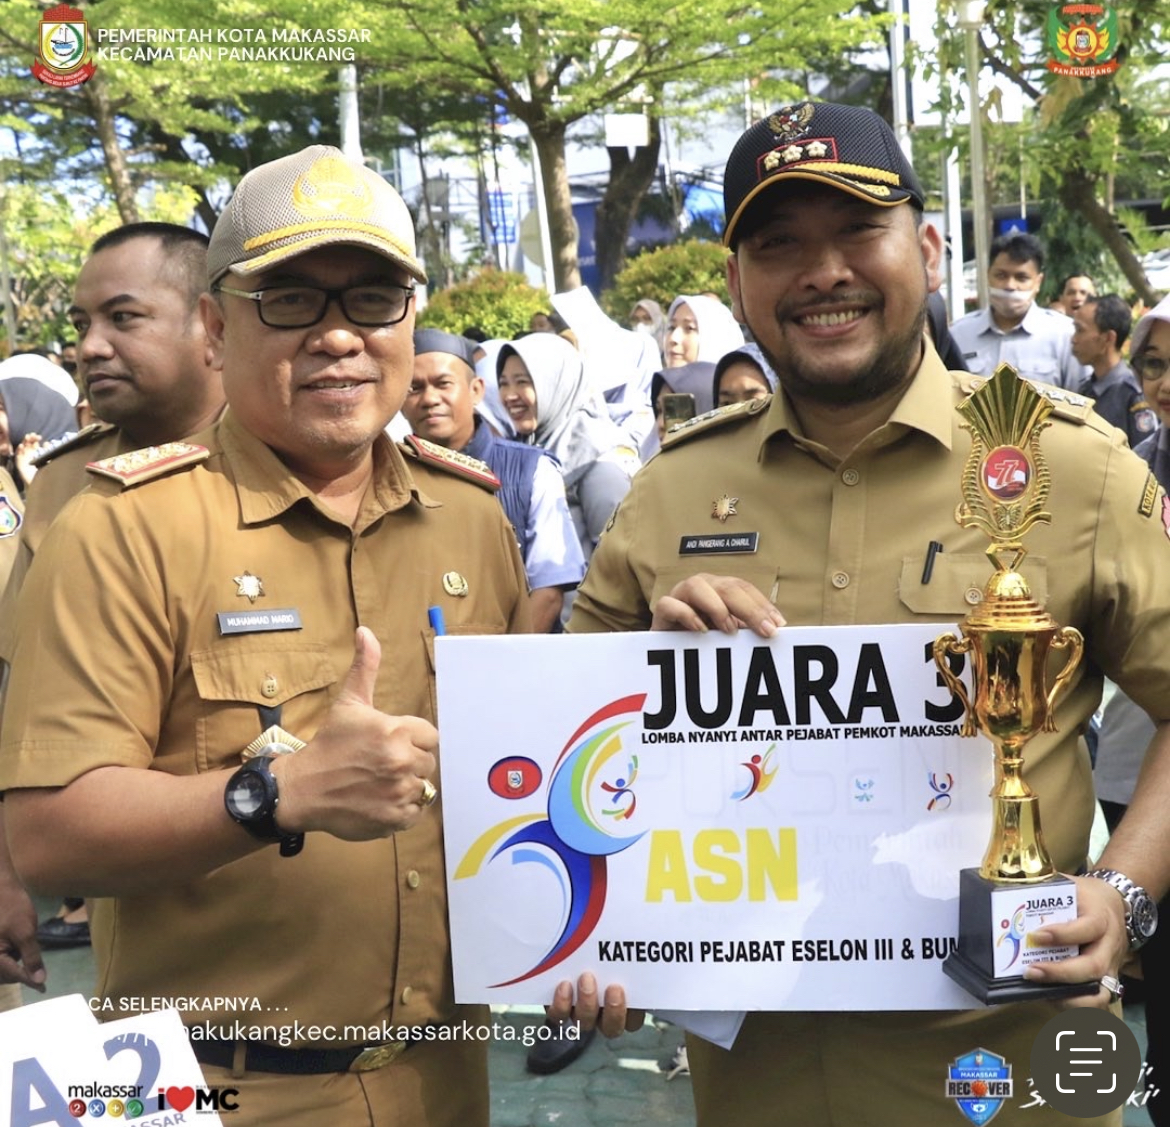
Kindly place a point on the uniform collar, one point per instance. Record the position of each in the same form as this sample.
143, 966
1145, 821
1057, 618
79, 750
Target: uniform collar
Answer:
927, 405
482, 440
1032, 323
1119, 373
267, 489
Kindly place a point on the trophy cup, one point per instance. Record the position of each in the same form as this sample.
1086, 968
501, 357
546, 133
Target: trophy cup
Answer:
1009, 637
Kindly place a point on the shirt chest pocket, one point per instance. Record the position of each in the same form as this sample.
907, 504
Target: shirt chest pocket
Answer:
237, 682
763, 576
956, 582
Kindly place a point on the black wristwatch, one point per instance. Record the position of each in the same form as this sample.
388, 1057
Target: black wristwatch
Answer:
1141, 910
251, 798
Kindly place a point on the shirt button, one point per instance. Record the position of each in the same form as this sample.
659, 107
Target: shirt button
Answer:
270, 686
840, 579
850, 477
413, 880
973, 596
407, 994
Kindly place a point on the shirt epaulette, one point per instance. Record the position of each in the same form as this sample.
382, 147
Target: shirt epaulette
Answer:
82, 438
137, 466
462, 465
721, 416
1066, 404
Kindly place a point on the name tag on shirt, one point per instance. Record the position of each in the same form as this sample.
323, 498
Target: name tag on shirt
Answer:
721, 544
258, 621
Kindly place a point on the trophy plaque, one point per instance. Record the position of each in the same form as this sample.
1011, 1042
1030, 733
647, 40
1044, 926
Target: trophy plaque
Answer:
1009, 637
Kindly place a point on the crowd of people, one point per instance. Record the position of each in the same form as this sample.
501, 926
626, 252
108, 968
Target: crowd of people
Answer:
247, 387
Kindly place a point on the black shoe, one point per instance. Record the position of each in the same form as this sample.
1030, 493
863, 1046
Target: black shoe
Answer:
559, 1050
55, 933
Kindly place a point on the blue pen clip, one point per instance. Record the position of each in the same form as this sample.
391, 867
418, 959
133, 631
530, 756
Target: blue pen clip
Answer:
435, 616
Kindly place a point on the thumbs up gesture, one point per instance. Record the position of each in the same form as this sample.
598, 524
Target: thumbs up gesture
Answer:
362, 775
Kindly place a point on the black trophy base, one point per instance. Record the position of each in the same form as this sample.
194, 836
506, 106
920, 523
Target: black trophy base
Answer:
996, 991
972, 965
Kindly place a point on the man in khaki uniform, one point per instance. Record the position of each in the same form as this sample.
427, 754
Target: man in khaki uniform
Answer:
143, 358
20, 956
846, 475
146, 365
202, 602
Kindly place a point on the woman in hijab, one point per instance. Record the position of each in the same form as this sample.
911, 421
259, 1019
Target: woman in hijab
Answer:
550, 403
743, 375
646, 317
1150, 360
31, 414
691, 379
699, 328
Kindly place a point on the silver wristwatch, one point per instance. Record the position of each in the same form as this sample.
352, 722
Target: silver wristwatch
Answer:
1141, 911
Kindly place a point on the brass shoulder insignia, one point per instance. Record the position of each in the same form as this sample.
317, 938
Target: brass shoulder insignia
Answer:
82, 438
1149, 496
462, 465
721, 416
1065, 404
149, 463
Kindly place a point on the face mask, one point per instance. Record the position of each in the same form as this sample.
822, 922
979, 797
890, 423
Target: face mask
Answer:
642, 327
1010, 303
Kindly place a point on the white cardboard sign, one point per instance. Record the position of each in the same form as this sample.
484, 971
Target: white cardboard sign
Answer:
716, 823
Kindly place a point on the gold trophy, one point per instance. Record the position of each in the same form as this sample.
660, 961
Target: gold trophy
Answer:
1009, 637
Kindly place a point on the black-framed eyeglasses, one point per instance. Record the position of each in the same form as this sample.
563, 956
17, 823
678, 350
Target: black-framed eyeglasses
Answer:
299, 307
1150, 367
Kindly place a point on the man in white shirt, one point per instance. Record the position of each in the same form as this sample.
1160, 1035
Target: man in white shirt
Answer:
1014, 329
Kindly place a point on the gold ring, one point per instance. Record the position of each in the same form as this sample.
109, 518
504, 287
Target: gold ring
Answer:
429, 793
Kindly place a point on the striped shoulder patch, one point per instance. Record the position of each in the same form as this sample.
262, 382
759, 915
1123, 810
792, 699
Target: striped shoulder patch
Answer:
462, 465
137, 466
1149, 496
711, 420
82, 438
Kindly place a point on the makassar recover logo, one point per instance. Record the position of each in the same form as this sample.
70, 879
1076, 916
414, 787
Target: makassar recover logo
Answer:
63, 57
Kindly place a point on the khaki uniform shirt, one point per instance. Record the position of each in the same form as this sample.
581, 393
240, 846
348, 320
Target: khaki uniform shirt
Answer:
55, 484
12, 522
119, 660
844, 541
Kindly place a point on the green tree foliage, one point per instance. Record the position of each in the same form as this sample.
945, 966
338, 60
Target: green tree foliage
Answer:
498, 301
1088, 142
661, 275
164, 119
47, 242
553, 64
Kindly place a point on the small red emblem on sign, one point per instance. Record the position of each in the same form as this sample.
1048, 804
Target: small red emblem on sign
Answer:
515, 777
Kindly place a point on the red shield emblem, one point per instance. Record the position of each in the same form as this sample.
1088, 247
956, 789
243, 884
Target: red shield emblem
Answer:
514, 777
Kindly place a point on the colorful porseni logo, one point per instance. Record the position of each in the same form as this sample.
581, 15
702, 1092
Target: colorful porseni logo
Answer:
590, 799
1012, 932
63, 57
941, 785
762, 770
979, 1082
1083, 38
